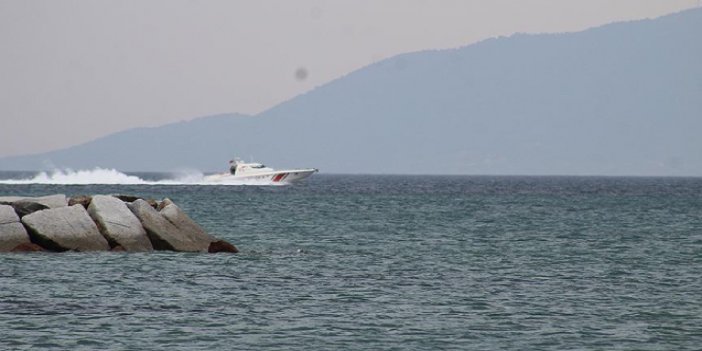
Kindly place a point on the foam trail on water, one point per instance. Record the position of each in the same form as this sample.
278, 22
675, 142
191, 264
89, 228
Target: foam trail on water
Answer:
71, 177
113, 176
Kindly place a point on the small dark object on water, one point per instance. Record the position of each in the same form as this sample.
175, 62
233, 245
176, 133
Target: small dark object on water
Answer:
222, 246
28, 247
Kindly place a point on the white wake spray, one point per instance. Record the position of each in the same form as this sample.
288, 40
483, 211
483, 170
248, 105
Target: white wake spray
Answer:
112, 176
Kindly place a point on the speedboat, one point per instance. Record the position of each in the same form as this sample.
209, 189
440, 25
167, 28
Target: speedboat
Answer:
240, 171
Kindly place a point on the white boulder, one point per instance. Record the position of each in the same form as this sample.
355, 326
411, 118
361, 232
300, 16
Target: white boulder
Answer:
118, 224
12, 232
50, 201
65, 228
180, 219
165, 235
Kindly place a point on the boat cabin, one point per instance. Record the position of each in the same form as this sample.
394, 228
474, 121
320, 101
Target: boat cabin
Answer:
242, 167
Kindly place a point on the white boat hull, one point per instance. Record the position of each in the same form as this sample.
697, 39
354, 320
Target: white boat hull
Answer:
275, 177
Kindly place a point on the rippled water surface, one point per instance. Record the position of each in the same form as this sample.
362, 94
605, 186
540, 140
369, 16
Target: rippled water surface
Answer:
383, 262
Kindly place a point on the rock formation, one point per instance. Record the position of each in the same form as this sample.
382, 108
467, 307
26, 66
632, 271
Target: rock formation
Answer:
80, 199
164, 234
100, 223
24, 207
51, 201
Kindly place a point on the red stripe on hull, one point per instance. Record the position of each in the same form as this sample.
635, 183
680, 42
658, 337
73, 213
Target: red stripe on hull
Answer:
279, 177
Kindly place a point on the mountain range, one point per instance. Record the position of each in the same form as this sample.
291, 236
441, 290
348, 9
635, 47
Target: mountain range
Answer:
621, 99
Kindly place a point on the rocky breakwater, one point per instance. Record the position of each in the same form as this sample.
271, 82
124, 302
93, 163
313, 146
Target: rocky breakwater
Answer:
101, 223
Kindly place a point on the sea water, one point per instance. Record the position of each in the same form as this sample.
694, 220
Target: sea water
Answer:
380, 263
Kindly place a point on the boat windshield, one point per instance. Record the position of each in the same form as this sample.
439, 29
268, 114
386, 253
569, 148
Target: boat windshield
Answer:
258, 166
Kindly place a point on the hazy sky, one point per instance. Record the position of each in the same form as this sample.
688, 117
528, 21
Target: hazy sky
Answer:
72, 71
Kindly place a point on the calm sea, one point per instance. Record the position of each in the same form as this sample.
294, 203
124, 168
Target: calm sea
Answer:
382, 263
